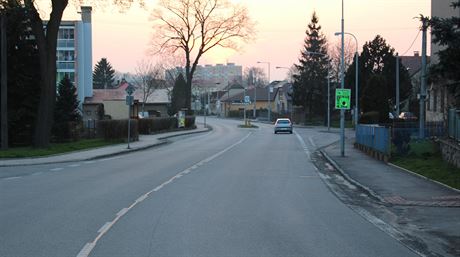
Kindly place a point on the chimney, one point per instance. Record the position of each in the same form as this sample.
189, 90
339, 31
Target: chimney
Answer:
416, 53
86, 14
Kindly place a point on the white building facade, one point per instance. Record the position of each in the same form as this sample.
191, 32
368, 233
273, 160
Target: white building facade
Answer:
74, 53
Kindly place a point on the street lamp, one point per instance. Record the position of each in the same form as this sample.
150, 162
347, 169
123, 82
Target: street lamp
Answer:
342, 70
356, 77
328, 88
268, 88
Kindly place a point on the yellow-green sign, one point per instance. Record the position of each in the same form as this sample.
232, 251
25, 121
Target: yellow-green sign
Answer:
342, 98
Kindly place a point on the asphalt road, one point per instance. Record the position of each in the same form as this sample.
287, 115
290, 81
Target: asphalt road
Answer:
229, 192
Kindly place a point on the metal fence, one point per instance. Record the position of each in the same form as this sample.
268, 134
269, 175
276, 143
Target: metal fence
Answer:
412, 128
454, 124
375, 137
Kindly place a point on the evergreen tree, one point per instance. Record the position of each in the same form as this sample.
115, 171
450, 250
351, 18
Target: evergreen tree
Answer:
446, 33
378, 63
23, 73
103, 75
310, 84
179, 94
66, 111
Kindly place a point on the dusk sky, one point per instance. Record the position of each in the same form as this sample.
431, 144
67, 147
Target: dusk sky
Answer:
124, 38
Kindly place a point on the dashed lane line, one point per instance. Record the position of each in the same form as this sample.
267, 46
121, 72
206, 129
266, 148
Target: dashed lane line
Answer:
88, 247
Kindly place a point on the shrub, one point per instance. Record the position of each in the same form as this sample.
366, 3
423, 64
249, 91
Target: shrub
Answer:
369, 118
190, 122
152, 125
117, 129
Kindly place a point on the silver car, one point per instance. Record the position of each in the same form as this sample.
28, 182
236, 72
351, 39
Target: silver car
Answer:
283, 125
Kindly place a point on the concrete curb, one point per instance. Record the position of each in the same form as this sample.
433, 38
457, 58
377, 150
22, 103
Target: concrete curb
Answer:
423, 177
351, 180
162, 141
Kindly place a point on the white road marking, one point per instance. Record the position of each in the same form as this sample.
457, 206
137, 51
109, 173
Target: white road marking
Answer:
11, 178
56, 169
89, 162
104, 228
86, 250
311, 141
74, 165
302, 143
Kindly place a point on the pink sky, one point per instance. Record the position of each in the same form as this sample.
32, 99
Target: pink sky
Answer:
124, 38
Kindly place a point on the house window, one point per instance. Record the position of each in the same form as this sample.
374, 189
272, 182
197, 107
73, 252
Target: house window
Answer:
435, 100
430, 100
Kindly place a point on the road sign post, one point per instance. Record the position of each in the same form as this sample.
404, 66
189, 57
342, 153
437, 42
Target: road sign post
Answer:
129, 101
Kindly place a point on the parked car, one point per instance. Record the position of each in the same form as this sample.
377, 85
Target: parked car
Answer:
407, 116
283, 125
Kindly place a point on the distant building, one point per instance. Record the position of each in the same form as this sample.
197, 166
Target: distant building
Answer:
74, 53
212, 77
413, 65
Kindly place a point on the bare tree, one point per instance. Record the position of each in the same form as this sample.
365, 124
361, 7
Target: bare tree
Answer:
46, 39
335, 55
147, 78
254, 76
197, 26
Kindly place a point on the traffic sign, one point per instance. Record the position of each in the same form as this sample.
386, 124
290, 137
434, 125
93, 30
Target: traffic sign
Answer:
129, 100
342, 99
130, 89
247, 99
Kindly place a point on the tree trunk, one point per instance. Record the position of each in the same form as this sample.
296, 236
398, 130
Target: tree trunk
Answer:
46, 43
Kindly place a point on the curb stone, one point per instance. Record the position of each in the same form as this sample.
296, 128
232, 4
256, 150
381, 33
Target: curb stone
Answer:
356, 183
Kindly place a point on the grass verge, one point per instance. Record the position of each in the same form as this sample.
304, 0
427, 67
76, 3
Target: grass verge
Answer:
25, 152
425, 159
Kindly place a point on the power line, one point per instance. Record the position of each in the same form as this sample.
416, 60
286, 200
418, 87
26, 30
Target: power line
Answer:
413, 42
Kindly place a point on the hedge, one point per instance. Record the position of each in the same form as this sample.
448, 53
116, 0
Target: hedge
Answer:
158, 124
117, 129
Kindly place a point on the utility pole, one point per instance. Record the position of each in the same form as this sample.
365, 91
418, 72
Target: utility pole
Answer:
425, 21
397, 84
3, 81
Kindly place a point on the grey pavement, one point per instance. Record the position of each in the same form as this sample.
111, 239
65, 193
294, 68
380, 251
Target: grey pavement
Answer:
389, 183
145, 142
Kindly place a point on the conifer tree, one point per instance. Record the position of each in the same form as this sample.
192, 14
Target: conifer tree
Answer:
310, 84
103, 75
179, 94
66, 111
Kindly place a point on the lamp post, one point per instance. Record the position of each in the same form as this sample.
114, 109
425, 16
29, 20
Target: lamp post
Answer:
268, 88
342, 70
356, 77
328, 88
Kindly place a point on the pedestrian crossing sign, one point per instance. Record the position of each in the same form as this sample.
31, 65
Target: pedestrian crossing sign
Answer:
342, 99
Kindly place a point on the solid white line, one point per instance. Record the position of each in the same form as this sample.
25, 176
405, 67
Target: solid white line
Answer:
74, 165
56, 169
302, 143
104, 229
89, 162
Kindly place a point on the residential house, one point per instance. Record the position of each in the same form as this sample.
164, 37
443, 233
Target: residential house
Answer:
259, 100
114, 103
413, 65
439, 100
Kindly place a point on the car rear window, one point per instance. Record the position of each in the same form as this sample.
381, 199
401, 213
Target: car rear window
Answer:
283, 122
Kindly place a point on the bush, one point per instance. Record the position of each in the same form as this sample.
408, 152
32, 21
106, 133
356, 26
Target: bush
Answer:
369, 118
117, 129
190, 122
66, 131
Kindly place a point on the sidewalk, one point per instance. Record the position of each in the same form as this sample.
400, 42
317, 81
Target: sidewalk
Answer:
145, 142
388, 183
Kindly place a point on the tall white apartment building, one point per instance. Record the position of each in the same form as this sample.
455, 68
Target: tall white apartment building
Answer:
74, 53
213, 77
